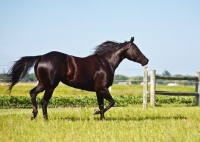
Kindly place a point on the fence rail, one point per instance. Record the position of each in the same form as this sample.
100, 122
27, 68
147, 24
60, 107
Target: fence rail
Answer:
177, 78
153, 91
177, 93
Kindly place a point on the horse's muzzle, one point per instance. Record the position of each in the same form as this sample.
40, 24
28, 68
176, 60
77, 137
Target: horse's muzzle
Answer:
145, 62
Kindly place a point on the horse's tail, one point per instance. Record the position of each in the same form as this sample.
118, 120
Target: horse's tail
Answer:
19, 69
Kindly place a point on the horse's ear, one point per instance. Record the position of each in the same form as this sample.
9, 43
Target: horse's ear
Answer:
132, 39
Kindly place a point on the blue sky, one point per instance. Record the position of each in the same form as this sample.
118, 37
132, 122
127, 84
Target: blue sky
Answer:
167, 32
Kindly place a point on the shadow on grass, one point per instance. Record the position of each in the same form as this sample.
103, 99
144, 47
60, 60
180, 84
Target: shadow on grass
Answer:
70, 118
178, 117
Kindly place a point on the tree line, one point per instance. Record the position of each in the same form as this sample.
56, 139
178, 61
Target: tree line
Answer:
117, 78
28, 78
139, 79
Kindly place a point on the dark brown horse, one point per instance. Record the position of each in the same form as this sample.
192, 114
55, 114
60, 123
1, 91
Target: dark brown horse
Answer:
92, 73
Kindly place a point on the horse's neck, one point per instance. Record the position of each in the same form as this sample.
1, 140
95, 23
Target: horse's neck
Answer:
115, 58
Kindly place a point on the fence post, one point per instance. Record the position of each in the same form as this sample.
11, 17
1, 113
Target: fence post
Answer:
145, 87
110, 89
197, 74
153, 87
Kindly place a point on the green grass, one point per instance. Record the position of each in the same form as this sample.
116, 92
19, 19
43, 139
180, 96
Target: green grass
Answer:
123, 94
159, 124
175, 88
122, 124
22, 89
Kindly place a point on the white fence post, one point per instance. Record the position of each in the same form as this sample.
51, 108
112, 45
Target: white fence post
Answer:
145, 87
197, 74
110, 89
153, 87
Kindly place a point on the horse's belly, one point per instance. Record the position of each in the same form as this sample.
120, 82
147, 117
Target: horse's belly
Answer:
88, 86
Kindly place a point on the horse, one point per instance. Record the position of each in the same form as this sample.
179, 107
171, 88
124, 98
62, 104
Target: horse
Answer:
92, 73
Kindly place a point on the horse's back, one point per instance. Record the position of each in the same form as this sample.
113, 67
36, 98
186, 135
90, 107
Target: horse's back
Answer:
54, 55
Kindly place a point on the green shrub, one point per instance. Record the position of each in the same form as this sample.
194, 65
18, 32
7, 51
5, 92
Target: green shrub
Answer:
88, 101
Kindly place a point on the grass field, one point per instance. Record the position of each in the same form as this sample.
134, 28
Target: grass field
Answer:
122, 124
22, 89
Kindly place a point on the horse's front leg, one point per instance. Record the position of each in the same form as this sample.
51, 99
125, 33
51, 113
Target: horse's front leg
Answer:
104, 94
101, 106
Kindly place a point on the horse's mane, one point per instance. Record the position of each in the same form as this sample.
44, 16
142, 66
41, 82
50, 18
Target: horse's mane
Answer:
106, 47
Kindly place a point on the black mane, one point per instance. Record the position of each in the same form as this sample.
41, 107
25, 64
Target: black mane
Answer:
106, 47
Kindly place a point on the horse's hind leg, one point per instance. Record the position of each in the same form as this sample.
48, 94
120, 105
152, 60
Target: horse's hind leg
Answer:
45, 100
33, 93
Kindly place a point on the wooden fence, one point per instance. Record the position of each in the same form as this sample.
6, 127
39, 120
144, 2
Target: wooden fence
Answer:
145, 87
153, 91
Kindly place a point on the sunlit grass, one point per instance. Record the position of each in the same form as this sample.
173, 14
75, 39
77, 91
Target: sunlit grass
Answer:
22, 89
121, 124
175, 88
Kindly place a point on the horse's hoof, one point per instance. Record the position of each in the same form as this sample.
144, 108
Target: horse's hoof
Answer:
32, 117
96, 111
45, 117
34, 114
102, 117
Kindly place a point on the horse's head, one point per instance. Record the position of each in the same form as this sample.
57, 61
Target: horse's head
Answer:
133, 53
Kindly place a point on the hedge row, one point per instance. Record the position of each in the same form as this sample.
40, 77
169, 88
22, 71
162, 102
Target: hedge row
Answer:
88, 101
